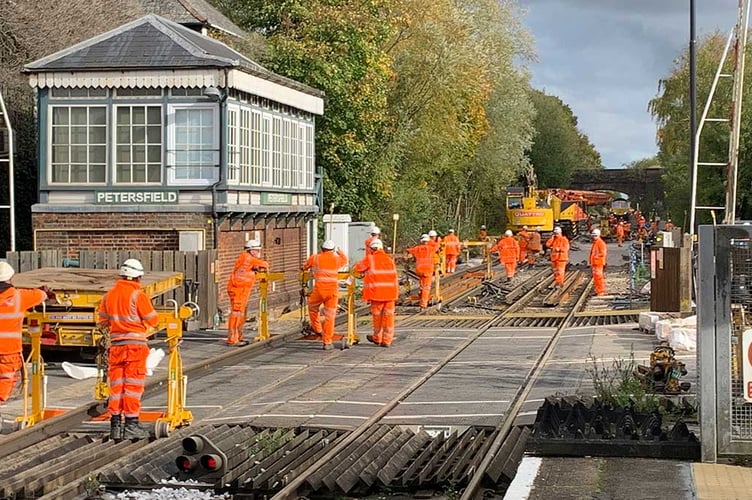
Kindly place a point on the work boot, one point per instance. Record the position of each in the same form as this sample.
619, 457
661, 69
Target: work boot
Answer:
328, 347
372, 340
116, 428
133, 430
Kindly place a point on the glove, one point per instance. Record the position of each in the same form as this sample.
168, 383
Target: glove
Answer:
349, 280
50, 293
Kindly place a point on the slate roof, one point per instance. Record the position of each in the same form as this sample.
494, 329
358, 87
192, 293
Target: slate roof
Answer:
148, 43
190, 12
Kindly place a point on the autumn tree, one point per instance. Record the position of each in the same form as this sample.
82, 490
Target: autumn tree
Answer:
559, 147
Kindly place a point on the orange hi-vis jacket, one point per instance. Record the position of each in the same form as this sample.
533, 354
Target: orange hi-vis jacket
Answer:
379, 277
452, 243
324, 266
243, 274
620, 230
508, 248
424, 255
534, 243
598, 253
13, 305
128, 311
559, 246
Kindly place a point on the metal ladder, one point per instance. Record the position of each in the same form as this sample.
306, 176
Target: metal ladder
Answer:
739, 36
6, 161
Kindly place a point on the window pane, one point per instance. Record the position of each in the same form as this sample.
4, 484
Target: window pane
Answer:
59, 173
139, 172
59, 116
123, 173
139, 154
98, 154
97, 173
123, 154
123, 116
154, 174
60, 154
154, 115
143, 143
154, 134
97, 92
123, 135
154, 154
78, 154
60, 135
139, 115
97, 116
77, 92
79, 116
60, 92
139, 134
79, 135
78, 173
97, 135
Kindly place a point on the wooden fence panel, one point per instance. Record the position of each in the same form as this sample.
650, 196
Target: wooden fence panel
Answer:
196, 266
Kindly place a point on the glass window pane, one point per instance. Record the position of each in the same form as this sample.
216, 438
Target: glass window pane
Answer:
59, 116
154, 134
123, 116
139, 134
139, 115
97, 92
139, 154
59, 154
60, 173
98, 116
78, 173
60, 92
79, 135
97, 173
79, 116
123, 154
78, 92
98, 154
97, 135
155, 174
78, 154
123, 173
154, 154
123, 135
139, 172
60, 135
154, 115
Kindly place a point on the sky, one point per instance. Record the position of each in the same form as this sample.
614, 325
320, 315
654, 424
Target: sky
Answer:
604, 59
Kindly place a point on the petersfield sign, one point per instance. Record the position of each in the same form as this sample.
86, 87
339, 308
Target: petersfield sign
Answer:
135, 197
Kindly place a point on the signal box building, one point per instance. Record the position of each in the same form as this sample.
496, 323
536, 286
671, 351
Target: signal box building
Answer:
155, 137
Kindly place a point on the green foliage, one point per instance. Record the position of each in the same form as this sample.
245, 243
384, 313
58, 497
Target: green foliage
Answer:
618, 385
671, 111
559, 147
642, 163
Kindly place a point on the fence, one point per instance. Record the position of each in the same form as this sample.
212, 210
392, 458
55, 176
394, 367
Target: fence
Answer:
196, 267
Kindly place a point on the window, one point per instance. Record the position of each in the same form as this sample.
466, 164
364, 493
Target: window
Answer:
255, 148
309, 155
266, 152
138, 144
193, 149
74, 93
232, 145
78, 145
139, 92
187, 92
245, 146
277, 151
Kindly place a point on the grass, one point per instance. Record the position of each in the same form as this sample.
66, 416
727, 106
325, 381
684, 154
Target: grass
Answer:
618, 385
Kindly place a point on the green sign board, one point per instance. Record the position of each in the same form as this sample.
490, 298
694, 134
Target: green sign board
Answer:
276, 199
152, 197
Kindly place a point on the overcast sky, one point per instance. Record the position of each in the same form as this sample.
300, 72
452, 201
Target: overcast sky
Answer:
604, 59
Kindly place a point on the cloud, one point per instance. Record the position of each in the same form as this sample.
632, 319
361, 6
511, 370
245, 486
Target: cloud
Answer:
604, 58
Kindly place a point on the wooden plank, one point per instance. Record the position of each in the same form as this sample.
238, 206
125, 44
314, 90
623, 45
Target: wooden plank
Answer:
27, 262
88, 280
204, 280
12, 259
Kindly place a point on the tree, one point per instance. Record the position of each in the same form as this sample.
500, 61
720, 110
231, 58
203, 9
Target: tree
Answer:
558, 147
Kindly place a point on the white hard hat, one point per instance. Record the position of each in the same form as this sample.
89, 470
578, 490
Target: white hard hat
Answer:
596, 232
328, 245
253, 244
557, 230
432, 233
424, 237
507, 233
451, 230
6, 271
132, 268
376, 230
377, 245
524, 227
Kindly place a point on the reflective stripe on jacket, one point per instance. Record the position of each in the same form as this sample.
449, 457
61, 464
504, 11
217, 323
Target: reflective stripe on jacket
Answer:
559, 246
13, 305
453, 244
380, 277
243, 274
128, 311
598, 253
324, 266
508, 248
423, 254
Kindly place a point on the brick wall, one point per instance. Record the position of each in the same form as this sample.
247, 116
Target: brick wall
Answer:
110, 231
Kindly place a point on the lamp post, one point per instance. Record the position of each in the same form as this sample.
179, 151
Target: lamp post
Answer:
692, 111
395, 218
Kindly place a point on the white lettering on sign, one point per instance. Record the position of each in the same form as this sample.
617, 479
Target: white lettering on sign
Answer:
746, 360
135, 197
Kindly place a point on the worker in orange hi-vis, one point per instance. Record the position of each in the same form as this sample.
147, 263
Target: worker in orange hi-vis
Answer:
509, 253
375, 235
534, 247
523, 237
239, 289
381, 289
598, 253
559, 245
13, 305
324, 267
620, 233
128, 314
424, 267
453, 247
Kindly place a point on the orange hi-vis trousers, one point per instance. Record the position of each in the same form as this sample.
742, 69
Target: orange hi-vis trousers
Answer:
425, 289
238, 305
329, 301
510, 268
382, 312
559, 269
10, 372
127, 375
599, 280
451, 263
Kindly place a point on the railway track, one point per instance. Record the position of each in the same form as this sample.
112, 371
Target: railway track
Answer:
134, 464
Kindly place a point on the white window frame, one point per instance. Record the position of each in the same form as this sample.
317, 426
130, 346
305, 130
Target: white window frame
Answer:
233, 146
266, 149
256, 131
170, 157
114, 127
50, 128
310, 154
244, 146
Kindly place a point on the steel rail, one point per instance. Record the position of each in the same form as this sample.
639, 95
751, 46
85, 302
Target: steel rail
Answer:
505, 426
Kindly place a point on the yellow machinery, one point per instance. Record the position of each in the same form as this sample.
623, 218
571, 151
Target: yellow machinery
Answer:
529, 207
171, 321
72, 321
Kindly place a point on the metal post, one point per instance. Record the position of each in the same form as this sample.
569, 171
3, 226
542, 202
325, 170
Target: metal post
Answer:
692, 115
